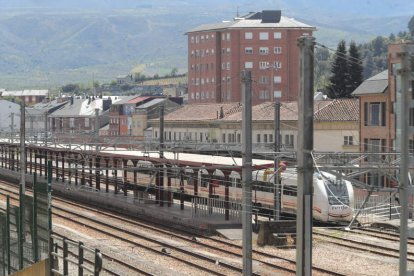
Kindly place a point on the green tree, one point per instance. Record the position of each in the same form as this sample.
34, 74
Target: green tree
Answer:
338, 87
174, 72
355, 68
70, 88
321, 70
411, 26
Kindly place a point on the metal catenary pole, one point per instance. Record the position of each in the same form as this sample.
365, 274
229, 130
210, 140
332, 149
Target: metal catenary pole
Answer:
8, 234
305, 162
34, 233
46, 129
22, 189
161, 131
161, 172
22, 148
11, 127
276, 179
404, 187
246, 78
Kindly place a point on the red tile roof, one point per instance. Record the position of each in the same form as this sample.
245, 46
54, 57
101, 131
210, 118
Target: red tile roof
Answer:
137, 100
197, 112
326, 110
338, 110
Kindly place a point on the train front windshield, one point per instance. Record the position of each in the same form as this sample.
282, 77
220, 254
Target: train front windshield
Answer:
337, 191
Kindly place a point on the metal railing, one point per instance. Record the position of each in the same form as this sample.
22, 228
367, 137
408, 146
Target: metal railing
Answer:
202, 207
60, 253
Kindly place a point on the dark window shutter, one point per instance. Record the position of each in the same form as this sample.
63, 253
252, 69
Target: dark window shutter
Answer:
365, 114
383, 114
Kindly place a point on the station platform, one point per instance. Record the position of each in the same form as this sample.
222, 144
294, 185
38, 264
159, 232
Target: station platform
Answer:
394, 225
145, 209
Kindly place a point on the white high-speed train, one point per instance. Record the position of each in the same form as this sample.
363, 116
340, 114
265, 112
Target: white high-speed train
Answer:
333, 198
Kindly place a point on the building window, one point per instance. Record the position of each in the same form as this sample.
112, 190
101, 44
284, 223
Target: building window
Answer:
277, 35
412, 90
263, 65
248, 35
228, 50
224, 138
411, 146
248, 50
277, 94
228, 66
264, 36
278, 64
289, 140
223, 36
348, 140
278, 50
238, 137
270, 138
263, 79
375, 114
265, 138
258, 138
86, 122
277, 79
263, 94
223, 65
411, 117
248, 65
71, 122
263, 50
228, 36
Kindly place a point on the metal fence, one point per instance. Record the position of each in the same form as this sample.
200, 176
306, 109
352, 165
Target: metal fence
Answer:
380, 207
68, 255
24, 231
203, 207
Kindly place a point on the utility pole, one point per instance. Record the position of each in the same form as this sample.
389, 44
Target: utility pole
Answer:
276, 178
246, 77
404, 73
304, 157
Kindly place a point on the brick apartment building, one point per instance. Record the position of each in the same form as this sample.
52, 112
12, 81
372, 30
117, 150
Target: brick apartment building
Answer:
263, 42
380, 103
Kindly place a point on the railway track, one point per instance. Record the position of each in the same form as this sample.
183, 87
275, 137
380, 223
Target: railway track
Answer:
185, 256
335, 238
106, 257
227, 248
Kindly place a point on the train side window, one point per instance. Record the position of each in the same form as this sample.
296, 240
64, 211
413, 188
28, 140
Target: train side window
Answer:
290, 190
204, 182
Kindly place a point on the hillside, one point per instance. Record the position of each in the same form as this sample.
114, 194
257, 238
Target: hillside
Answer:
48, 43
